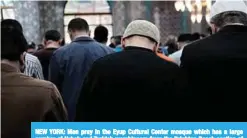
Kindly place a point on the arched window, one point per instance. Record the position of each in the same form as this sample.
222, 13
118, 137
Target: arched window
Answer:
94, 12
7, 10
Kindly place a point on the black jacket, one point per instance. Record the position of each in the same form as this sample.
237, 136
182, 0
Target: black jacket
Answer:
217, 72
133, 85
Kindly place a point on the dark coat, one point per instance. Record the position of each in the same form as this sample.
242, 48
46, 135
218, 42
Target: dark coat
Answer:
44, 56
133, 85
25, 100
217, 72
70, 65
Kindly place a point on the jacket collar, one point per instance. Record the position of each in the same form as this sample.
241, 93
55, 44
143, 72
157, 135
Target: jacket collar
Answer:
5, 67
137, 48
83, 38
234, 28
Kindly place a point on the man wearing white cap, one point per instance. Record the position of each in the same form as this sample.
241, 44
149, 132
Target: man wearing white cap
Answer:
132, 85
217, 66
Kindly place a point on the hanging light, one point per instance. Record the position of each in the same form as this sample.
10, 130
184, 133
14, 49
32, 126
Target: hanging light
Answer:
193, 18
177, 6
198, 17
209, 4
182, 7
207, 18
188, 5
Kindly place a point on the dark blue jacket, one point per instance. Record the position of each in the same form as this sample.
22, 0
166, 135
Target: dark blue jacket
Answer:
70, 64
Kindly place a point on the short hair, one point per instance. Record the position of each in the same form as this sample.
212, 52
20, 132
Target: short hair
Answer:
117, 39
209, 30
195, 36
101, 34
53, 35
11, 24
172, 42
31, 45
78, 24
184, 38
202, 35
224, 18
13, 44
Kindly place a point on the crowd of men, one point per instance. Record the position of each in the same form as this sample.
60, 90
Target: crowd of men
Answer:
86, 80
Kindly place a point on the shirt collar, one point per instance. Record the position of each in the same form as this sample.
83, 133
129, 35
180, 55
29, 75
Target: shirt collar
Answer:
234, 28
82, 38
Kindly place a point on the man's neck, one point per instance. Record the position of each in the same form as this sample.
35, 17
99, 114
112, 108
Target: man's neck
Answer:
80, 34
52, 45
104, 43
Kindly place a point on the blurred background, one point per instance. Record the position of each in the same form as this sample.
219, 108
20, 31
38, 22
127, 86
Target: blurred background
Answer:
171, 17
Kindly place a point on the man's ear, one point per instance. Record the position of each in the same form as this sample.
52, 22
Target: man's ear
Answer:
123, 43
214, 28
156, 46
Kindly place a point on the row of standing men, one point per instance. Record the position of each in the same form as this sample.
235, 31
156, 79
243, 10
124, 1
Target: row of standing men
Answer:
96, 84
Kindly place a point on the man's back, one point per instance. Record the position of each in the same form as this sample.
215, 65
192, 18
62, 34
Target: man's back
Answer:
44, 56
133, 85
25, 100
69, 66
216, 68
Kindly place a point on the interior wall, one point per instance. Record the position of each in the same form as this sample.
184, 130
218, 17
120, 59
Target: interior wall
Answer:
37, 17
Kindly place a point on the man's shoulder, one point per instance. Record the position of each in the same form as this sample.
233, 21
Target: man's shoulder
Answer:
203, 44
28, 84
176, 54
30, 57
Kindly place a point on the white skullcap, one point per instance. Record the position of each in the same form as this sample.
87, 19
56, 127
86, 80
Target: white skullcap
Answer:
143, 28
221, 6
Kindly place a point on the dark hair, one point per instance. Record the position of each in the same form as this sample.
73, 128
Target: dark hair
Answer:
195, 36
62, 42
202, 35
117, 39
53, 35
11, 24
31, 45
209, 30
100, 34
78, 24
171, 43
40, 46
184, 37
224, 18
13, 44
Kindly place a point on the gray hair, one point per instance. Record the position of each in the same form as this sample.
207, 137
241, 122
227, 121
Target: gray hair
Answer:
230, 17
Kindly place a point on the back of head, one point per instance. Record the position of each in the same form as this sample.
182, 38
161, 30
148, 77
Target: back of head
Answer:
143, 29
117, 40
13, 44
53, 35
101, 34
195, 36
184, 37
78, 24
171, 43
11, 24
224, 12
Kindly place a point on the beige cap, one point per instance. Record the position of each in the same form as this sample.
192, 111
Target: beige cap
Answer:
143, 28
221, 6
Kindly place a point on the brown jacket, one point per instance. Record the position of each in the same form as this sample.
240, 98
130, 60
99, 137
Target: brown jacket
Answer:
25, 100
